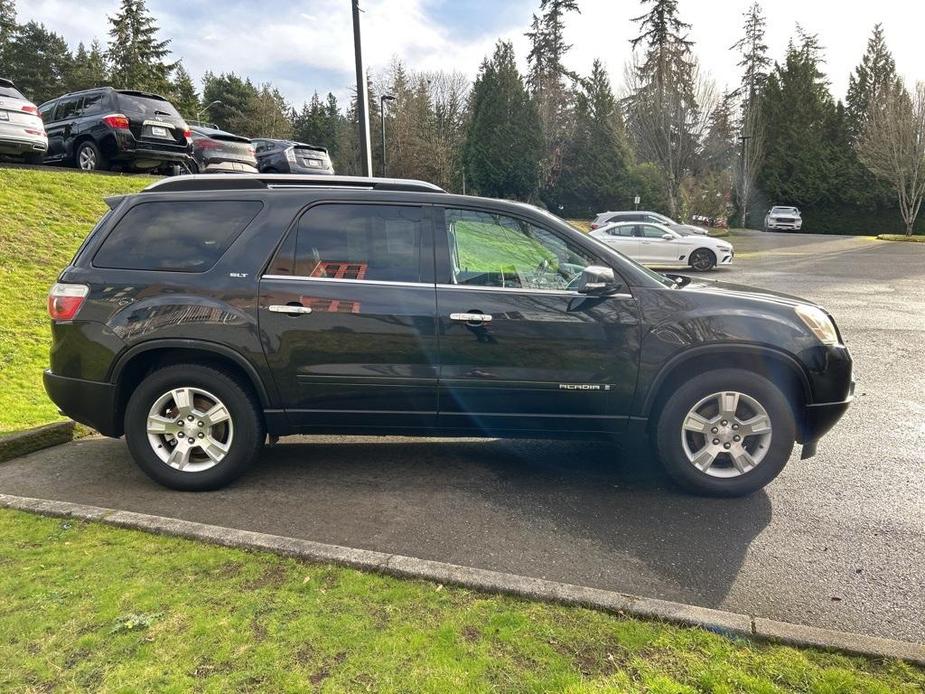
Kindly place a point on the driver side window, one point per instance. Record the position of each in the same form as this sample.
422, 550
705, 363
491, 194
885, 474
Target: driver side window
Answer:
492, 250
651, 232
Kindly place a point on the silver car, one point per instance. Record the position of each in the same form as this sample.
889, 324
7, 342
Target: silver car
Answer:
783, 219
21, 130
648, 217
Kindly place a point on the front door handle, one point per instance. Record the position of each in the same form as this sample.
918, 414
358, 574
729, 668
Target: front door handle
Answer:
291, 309
471, 317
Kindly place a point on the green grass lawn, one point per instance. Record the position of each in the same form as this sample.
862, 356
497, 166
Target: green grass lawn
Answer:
44, 215
89, 607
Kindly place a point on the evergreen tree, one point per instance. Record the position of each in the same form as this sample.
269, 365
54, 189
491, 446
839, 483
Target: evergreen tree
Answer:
596, 161
135, 53
754, 61
89, 68
503, 141
183, 94
876, 72
38, 61
310, 123
546, 81
235, 95
267, 115
7, 27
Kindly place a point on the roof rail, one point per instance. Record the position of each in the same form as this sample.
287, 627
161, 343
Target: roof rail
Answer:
202, 182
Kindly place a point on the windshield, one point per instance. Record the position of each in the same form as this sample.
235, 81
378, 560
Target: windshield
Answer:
788, 210
146, 105
662, 218
9, 91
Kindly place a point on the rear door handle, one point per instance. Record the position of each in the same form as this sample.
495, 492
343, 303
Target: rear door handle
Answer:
471, 317
291, 309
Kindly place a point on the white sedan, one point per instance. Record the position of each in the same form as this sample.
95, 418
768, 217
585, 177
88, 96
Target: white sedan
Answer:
658, 246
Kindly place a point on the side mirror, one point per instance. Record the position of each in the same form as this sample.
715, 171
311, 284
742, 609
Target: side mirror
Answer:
667, 237
596, 279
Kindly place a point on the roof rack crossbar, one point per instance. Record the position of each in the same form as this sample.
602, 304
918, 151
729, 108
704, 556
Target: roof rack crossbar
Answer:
218, 182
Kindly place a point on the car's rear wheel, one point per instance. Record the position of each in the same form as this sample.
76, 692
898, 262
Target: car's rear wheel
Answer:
88, 157
192, 427
726, 432
703, 259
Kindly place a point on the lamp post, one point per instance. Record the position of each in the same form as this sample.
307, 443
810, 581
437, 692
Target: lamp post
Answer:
206, 108
382, 100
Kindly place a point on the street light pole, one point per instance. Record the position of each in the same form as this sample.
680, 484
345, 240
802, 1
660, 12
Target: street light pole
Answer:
382, 100
366, 161
205, 109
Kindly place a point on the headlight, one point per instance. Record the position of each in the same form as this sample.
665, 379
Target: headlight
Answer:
817, 321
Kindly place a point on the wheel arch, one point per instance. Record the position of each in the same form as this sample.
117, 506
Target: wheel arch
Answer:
138, 361
778, 367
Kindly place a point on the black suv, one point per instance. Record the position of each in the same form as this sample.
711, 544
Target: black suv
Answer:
208, 312
103, 127
286, 156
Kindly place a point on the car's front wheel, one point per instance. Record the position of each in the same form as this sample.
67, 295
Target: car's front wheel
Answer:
192, 427
703, 259
726, 432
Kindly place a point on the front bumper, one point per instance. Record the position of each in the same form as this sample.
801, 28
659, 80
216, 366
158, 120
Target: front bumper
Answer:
784, 226
819, 418
88, 402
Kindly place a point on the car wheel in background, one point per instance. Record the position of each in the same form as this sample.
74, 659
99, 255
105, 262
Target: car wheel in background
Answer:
33, 158
726, 432
88, 157
193, 428
703, 259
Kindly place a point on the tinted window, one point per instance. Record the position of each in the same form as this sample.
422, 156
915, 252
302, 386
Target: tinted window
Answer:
177, 236
14, 93
651, 232
45, 113
66, 109
92, 103
145, 105
499, 251
361, 242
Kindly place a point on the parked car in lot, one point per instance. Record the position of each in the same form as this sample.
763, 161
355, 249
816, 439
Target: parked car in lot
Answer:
780, 218
208, 312
217, 151
22, 133
658, 246
104, 127
645, 216
286, 156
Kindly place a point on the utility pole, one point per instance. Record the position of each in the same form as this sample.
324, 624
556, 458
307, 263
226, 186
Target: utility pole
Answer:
366, 161
744, 188
382, 100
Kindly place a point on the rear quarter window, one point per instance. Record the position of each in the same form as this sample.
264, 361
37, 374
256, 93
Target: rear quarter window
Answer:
175, 236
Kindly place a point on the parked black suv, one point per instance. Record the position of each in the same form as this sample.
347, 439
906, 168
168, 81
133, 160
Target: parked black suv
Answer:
102, 127
207, 312
286, 156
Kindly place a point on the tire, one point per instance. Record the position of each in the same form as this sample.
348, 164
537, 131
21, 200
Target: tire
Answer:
235, 441
88, 157
33, 159
702, 260
678, 445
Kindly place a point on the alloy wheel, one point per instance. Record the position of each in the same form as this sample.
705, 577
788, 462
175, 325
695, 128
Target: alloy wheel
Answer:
86, 159
726, 434
190, 429
701, 260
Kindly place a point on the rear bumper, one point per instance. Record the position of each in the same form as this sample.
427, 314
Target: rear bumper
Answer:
25, 144
88, 402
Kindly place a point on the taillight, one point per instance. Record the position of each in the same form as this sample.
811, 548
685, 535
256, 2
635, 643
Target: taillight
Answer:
116, 120
188, 134
208, 144
29, 108
594, 226
65, 300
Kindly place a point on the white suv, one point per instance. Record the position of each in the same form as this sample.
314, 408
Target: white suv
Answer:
781, 218
21, 130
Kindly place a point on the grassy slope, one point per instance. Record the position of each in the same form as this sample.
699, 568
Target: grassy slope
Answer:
45, 215
109, 609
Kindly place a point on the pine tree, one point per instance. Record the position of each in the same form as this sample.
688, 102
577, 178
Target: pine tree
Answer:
7, 27
89, 68
234, 94
183, 94
754, 62
546, 81
876, 72
38, 61
135, 53
596, 161
503, 142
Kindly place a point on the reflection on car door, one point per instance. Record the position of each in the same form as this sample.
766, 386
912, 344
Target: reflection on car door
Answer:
59, 129
347, 317
624, 240
520, 349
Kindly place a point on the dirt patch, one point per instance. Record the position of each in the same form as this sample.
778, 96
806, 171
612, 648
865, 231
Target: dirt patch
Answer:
325, 672
273, 577
471, 634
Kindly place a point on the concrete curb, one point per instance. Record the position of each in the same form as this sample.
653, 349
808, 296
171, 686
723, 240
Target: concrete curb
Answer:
31, 440
720, 621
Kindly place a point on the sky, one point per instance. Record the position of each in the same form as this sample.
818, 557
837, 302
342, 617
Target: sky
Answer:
304, 46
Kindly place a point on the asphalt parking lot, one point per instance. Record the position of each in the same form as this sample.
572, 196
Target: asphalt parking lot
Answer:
836, 541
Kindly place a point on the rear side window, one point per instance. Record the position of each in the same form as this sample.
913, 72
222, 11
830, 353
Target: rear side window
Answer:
92, 103
361, 242
175, 236
146, 105
66, 109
